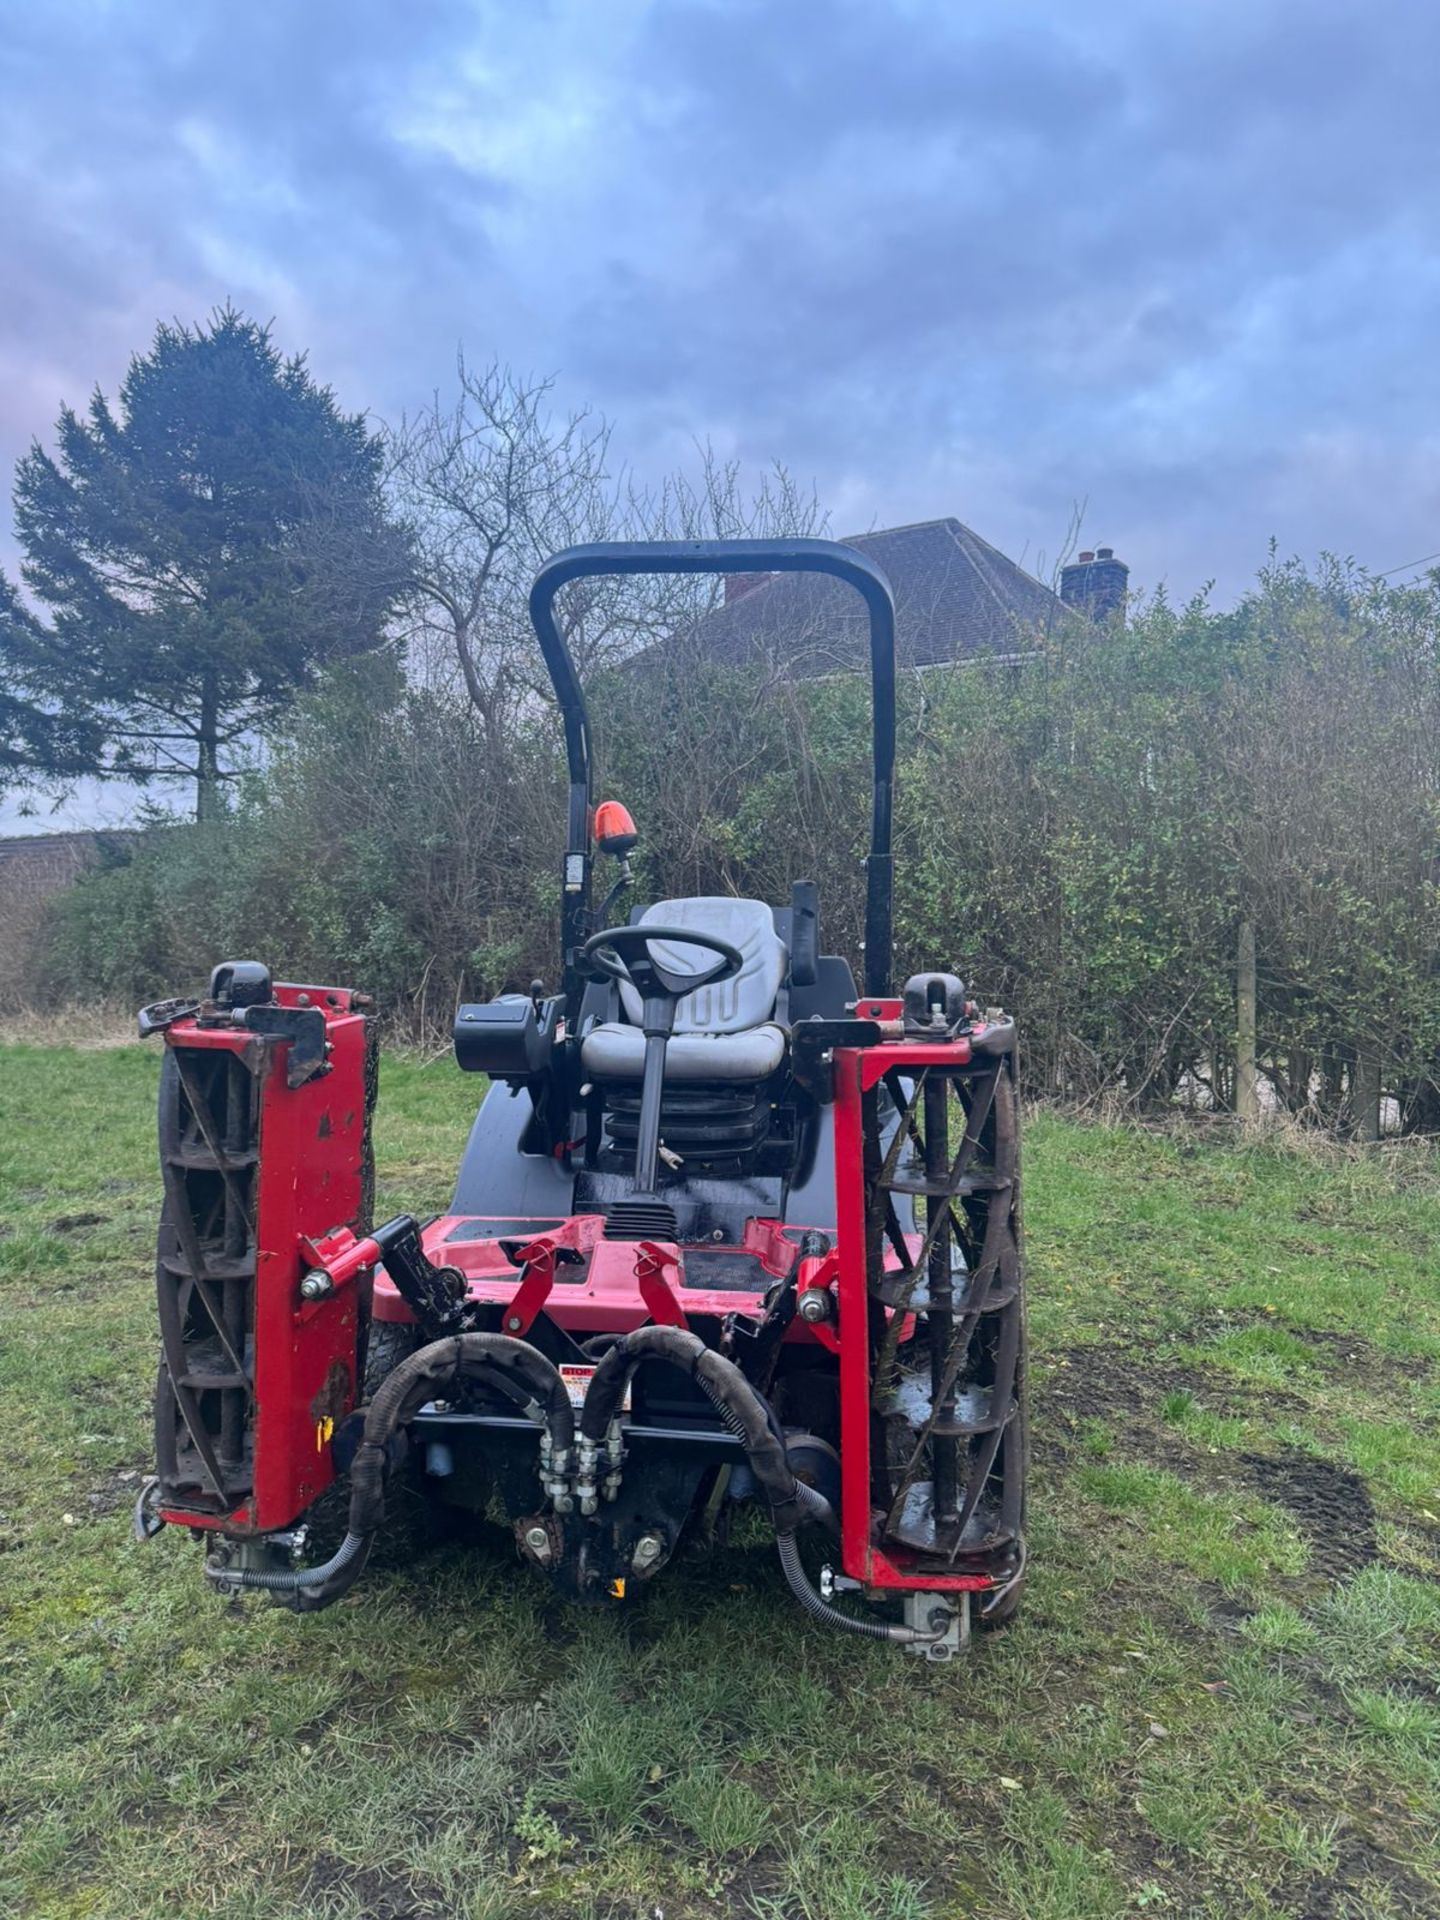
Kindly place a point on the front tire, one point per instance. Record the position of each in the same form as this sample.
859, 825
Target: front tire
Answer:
414, 1522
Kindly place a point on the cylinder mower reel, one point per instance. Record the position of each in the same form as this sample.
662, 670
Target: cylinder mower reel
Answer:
728, 1229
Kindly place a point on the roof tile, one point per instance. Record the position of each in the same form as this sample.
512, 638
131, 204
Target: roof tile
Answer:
956, 598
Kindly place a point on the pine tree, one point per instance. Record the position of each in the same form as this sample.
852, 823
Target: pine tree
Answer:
192, 557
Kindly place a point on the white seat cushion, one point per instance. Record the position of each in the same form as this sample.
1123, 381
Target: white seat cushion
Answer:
613, 1052
730, 1006
722, 1032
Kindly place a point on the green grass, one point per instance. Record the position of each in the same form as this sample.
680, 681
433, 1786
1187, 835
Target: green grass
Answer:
1240, 1542
1220, 1699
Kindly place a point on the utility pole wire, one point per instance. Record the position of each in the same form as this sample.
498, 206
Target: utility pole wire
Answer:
1407, 565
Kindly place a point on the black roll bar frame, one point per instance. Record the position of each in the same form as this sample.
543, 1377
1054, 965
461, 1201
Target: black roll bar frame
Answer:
719, 557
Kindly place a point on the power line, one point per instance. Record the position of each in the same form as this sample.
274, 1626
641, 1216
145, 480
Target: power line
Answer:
1407, 565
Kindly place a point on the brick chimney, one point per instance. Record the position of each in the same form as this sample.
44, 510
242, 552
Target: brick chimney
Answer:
1096, 584
737, 585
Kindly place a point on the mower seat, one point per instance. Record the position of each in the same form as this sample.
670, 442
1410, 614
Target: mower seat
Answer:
722, 1032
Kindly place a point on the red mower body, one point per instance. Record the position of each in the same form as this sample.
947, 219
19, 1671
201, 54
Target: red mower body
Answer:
254, 1168
727, 1229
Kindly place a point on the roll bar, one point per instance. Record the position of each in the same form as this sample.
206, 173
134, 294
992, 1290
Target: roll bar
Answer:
720, 557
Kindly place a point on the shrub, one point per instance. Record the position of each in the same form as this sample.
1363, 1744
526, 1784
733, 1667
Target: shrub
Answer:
1078, 835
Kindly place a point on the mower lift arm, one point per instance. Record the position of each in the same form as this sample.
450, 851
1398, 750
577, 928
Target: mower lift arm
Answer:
435, 1295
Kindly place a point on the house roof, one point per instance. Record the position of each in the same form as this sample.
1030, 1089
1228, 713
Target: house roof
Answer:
41, 849
956, 598
33, 866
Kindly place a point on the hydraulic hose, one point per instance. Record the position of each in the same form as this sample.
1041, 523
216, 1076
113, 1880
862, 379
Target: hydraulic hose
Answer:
517, 1369
816, 1507
747, 1414
743, 1410
997, 1594
343, 1568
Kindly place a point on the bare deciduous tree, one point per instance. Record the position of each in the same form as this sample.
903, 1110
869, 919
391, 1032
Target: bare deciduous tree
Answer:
495, 482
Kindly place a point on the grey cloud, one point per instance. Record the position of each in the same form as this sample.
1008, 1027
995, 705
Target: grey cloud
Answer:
1181, 260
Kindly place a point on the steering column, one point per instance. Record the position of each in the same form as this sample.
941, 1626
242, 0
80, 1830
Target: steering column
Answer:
627, 954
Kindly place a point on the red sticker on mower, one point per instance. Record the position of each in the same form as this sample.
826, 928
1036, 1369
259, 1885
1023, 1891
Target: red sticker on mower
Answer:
577, 1381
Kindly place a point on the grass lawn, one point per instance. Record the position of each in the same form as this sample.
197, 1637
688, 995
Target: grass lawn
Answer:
1221, 1698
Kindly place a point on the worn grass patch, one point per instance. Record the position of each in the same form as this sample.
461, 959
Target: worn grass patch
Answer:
1219, 1701
1238, 1541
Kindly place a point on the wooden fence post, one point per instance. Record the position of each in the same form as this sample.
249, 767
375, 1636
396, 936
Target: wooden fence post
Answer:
1366, 1086
1247, 1098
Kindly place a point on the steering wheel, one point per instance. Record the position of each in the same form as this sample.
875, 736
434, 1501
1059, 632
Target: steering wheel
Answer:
624, 953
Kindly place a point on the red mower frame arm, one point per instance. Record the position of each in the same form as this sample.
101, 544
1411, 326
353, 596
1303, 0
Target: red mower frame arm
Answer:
720, 557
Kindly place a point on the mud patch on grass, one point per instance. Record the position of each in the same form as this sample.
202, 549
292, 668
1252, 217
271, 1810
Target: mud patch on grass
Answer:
1124, 1392
1362, 1870
379, 1895
1329, 1504
1103, 1383
1109, 1388
1224, 1611
117, 1491
1366, 1365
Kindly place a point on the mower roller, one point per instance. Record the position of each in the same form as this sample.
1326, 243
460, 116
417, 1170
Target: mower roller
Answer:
727, 1229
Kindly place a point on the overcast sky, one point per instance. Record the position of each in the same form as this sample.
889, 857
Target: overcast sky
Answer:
1176, 258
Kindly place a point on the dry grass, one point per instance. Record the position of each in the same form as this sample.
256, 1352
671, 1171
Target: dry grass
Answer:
91, 1025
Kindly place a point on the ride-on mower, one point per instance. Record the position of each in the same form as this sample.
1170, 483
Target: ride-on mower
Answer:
726, 1229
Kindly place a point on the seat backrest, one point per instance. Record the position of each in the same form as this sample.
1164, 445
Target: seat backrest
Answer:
729, 1006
